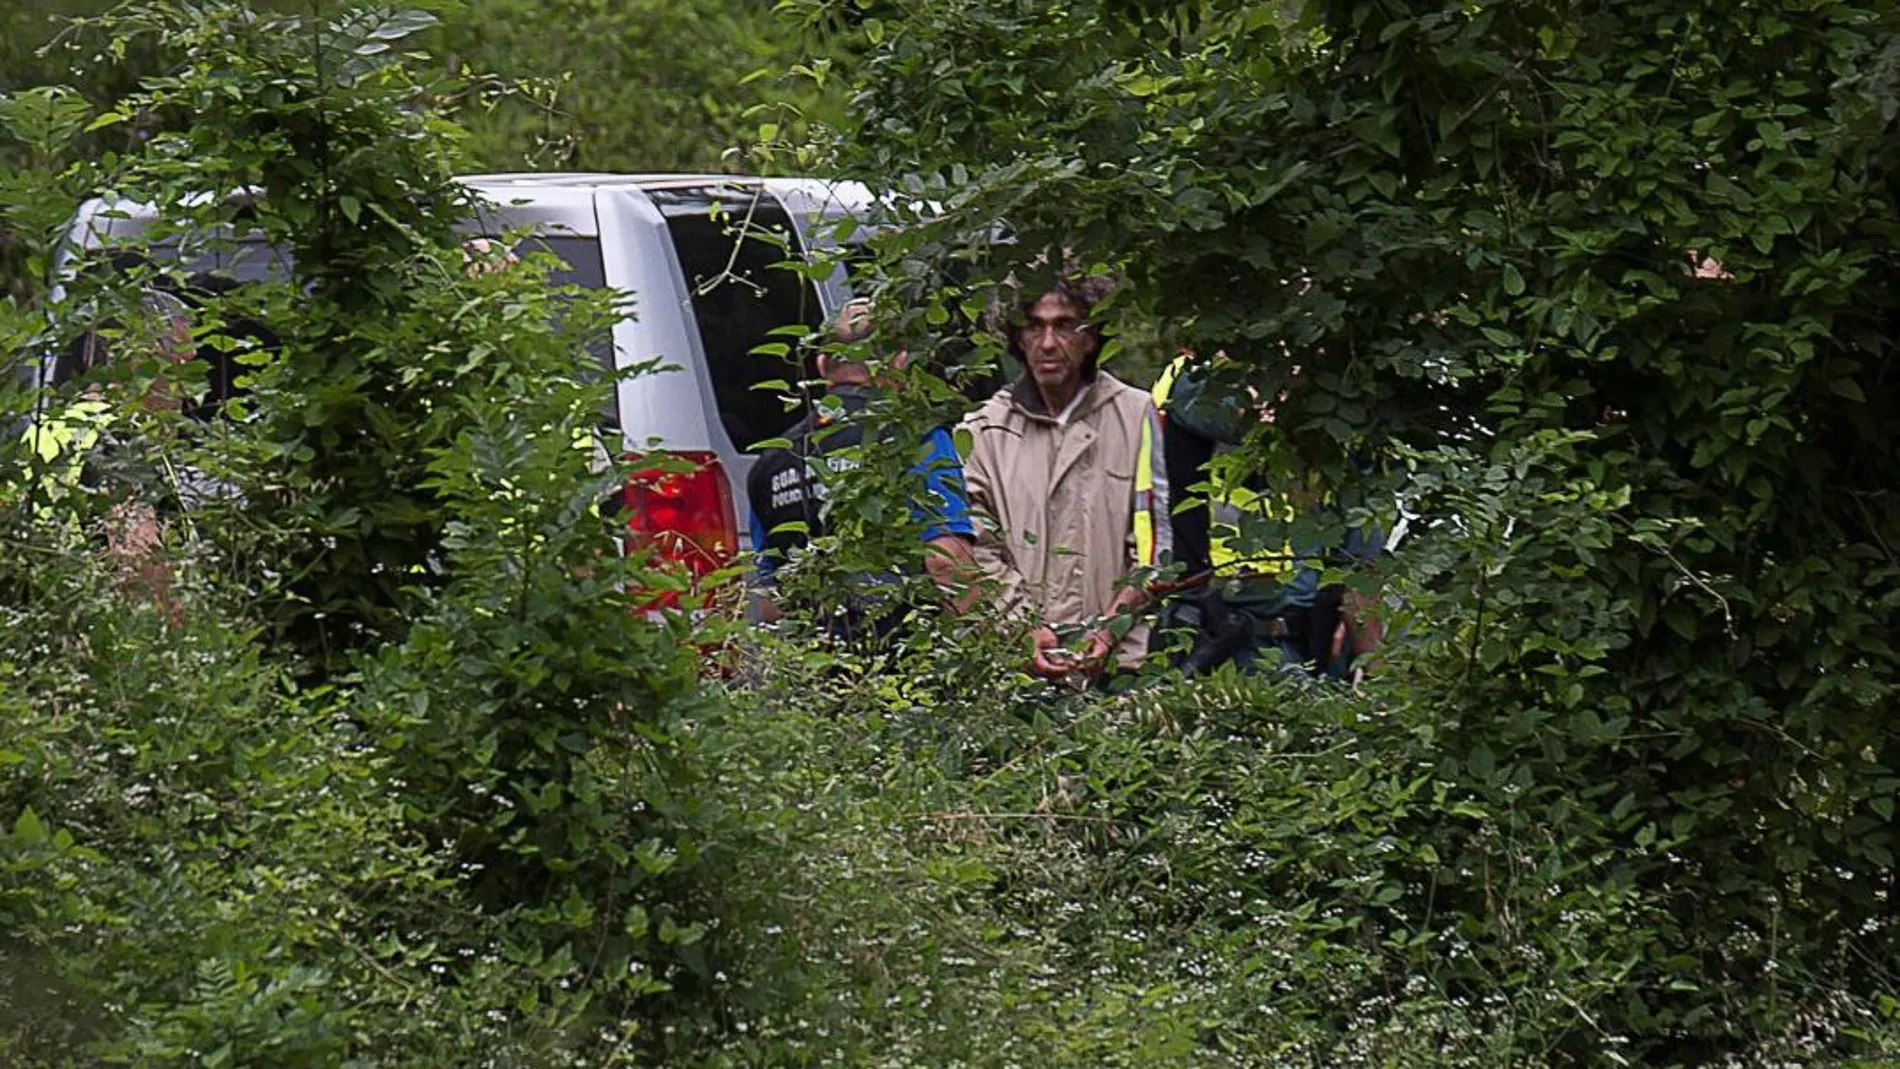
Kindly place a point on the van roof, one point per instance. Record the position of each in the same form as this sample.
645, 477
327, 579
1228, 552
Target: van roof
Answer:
599, 178
568, 193
807, 194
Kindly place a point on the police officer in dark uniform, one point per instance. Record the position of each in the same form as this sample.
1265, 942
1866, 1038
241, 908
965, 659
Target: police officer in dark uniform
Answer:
786, 491
1243, 607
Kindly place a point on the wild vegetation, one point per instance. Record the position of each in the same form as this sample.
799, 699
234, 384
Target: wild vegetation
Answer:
390, 771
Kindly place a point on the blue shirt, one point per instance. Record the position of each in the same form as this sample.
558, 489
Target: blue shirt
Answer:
943, 508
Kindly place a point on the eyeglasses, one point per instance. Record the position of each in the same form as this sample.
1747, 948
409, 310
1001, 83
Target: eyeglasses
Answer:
1063, 329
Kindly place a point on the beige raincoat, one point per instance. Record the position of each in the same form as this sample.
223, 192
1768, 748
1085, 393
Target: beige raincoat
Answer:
1069, 504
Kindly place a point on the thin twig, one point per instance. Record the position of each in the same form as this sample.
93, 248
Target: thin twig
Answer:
1728, 618
732, 260
409, 989
1084, 818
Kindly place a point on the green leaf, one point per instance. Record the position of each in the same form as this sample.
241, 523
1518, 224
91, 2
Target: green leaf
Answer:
1681, 619
1513, 281
27, 829
403, 24
1623, 808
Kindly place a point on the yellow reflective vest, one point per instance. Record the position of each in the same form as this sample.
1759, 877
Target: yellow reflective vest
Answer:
59, 444
1230, 503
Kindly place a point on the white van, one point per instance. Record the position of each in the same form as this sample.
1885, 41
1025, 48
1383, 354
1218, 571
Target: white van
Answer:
703, 295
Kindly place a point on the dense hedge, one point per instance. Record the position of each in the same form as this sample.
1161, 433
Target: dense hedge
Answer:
390, 773
1606, 291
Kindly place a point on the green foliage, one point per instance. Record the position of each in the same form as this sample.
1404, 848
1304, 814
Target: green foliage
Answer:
308, 136
36, 197
206, 865
42, 52
1230, 872
389, 769
1467, 248
537, 719
372, 759
650, 87
639, 87
38, 184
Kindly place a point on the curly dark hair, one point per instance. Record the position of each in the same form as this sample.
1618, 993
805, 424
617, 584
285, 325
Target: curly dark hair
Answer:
1082, 291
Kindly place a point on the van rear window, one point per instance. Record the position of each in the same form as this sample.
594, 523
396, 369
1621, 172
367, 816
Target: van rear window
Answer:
733, 245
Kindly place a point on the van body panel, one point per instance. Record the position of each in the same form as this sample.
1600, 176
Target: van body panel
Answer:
639, 260
817, 208
556, 209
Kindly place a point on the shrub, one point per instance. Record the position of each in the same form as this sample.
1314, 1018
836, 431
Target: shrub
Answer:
1469, 250
387, 769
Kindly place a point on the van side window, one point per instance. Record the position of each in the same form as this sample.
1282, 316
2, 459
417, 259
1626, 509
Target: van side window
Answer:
228, 267
740, 295
583, 268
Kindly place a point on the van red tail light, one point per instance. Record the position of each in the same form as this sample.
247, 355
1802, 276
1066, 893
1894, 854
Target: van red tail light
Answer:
682, 515
685, 515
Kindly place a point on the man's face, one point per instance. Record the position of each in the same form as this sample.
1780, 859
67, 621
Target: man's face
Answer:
1055, 341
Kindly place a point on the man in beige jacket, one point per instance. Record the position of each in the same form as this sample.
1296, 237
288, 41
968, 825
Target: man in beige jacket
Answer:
1066, 479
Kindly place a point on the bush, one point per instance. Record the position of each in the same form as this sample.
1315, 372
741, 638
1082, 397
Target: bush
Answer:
1602, 291
377, 763
207, 864
1230, 871
372, 760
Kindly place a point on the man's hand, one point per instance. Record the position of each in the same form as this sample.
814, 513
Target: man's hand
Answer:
952, 566
1129, 601
1102, 645
1047, 658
